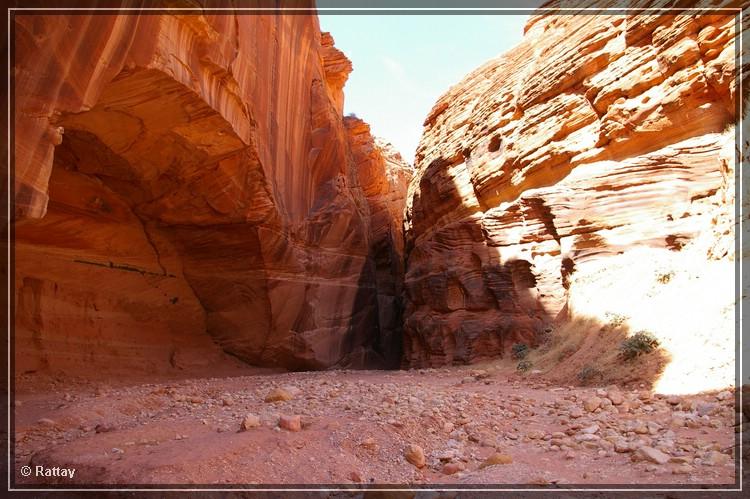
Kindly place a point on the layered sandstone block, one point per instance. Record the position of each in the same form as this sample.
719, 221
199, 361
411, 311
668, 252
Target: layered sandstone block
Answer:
183, 174
596, 135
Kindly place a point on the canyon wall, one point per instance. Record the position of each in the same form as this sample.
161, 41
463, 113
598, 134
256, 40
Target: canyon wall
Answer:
598, 146
384, 177
185, 186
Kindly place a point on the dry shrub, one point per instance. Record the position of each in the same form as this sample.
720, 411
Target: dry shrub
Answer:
586, 351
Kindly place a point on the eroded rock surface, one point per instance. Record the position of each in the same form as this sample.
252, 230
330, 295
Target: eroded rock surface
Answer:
596, 135
183, 174
384, 177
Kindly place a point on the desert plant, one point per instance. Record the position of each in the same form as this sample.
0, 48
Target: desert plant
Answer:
640, 343
615, 320
524, 366
665, 277
588, 374
519, 351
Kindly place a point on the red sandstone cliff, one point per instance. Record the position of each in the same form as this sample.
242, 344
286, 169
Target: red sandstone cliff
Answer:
384, 178
547, 168
183, 174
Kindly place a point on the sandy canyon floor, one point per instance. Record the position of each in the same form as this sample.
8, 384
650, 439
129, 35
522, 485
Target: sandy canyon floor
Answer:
484, 425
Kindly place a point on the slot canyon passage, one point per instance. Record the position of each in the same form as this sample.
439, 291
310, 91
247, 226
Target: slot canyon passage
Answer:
221, 279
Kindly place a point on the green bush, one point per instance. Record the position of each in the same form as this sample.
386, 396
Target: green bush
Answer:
519, 351
640, 343
524, 366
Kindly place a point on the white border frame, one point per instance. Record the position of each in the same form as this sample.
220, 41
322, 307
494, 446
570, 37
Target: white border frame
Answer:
739, 96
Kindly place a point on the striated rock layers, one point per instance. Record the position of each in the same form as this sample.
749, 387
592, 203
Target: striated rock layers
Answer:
596, 135
384, 178
183, 174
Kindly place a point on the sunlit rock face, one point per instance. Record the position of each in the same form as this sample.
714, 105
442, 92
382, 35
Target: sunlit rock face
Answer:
595, 136
178, 175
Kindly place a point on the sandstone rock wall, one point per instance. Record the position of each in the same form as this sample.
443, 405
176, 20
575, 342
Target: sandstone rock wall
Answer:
595, 136
183, 174
384, 177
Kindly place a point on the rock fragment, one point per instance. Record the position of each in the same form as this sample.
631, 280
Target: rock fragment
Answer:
249, 422
415, 455
591, 404
647, 453
452, 468
291, 423
496, 458
278, 395
615, 397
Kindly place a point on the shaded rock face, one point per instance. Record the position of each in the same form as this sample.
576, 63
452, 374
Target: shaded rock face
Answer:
594, 136
384, 177
177, 175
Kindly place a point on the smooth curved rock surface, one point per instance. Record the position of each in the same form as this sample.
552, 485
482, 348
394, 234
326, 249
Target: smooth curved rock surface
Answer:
183, 174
